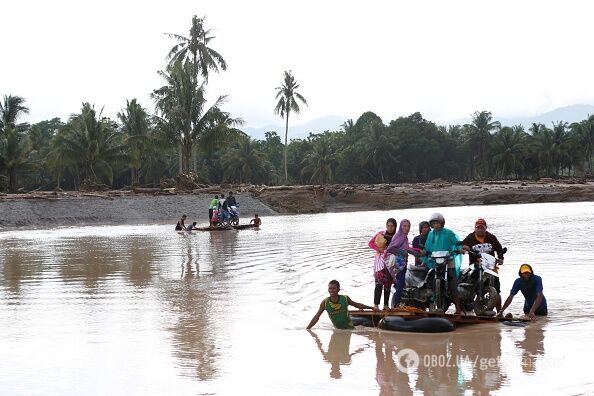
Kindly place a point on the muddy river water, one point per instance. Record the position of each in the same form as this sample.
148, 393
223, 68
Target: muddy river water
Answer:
145, 310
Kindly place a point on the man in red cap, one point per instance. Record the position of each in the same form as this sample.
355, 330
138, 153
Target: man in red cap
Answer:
482, 241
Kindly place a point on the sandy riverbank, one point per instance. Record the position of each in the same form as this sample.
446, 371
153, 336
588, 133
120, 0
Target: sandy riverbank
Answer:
51, 209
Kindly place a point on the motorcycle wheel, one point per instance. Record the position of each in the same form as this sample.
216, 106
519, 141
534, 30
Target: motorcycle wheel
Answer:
235, 220
486, 302
438, 303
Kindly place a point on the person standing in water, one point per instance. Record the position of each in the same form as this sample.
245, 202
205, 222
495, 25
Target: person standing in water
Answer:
256, 221
337, 307
530, 285
383, 279
180, 226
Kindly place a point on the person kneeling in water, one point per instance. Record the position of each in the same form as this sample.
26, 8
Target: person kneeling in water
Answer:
337, 307
530, 285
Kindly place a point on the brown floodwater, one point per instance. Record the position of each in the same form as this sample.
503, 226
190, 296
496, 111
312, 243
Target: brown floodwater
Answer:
145, 310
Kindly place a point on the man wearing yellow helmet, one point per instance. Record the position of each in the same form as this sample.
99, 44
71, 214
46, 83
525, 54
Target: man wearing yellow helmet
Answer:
530, 285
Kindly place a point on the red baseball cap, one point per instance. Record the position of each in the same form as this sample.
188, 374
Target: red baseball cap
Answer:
480, 222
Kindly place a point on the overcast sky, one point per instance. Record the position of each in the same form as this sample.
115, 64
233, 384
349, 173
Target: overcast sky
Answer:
445, 59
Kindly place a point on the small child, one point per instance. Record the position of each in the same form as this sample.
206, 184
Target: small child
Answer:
191, 227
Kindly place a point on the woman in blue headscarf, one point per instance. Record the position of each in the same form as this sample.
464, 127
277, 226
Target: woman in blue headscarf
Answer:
443, 239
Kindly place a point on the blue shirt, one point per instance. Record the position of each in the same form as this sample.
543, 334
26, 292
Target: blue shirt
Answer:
530, 290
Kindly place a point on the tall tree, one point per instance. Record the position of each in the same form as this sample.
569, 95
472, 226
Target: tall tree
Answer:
195, 48
320, 161
135, 124
378, 150
508, 150
94, 142
185, 116
585, 135
480, 130
11, 109
288, 99
244, 161
14, 153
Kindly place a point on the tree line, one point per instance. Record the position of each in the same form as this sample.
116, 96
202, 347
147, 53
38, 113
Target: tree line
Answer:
186, 134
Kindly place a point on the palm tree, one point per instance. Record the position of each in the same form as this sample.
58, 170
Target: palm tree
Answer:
195, 49
135, 124
11, 108
584, 132
561, 142
508, 149
244, 161
184, 114
14, 154
480, 130
94, 143
378, 150
288, 96
320, 162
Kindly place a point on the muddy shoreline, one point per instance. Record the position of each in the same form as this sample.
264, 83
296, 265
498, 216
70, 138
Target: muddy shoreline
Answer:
156, 206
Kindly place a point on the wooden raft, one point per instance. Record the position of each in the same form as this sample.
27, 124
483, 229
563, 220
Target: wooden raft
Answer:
413, 313
214, 228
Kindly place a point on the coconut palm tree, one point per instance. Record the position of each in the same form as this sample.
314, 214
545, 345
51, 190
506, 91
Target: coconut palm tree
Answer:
135, 124
320, 162
195, 48
11, 109
94, 142
14, 154
508, 150
244, 161
584, 132
184, 114
288, 99
479, 137
378, 150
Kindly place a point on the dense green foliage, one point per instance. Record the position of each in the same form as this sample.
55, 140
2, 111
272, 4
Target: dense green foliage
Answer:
187, 134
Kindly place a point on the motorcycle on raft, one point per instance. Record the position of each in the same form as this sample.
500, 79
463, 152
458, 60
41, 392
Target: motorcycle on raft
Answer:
222, 218
427, 288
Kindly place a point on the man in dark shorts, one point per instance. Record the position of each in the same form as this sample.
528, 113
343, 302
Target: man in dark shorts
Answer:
482, 241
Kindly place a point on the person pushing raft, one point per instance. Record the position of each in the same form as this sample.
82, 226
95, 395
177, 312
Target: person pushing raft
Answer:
337, 307
530, 285
181, 226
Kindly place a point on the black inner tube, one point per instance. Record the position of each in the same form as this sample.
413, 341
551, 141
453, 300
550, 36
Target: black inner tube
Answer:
422, 325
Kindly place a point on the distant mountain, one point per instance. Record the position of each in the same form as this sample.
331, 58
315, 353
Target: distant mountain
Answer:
298, 131
573, 113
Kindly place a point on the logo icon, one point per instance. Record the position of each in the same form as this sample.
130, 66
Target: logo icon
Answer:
407, 359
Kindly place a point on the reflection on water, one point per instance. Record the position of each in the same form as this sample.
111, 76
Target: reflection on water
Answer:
142, 309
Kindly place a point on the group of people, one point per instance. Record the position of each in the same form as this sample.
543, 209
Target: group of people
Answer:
391, 259
219, 208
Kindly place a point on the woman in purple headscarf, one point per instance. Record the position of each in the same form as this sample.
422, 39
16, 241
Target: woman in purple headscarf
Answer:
396, 263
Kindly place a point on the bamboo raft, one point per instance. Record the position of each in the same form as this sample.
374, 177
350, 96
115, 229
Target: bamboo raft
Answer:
414, 313
214, 228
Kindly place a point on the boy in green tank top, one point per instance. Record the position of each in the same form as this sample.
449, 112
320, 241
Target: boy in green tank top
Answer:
337, 307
